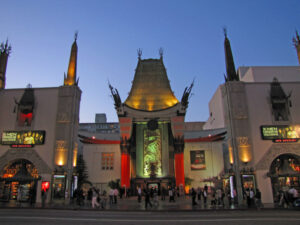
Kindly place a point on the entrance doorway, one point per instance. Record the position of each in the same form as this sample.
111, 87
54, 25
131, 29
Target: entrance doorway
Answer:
19, 181
285, 174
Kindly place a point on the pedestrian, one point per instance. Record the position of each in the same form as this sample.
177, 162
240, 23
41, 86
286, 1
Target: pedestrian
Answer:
194, 197
103, 200
229, 198
171, 195
20, 196
205, 196
80, 197
155, 198
94, 198
139, 194
199, 193
247, 195
219, 196
147, 199
116, 193
32, 195
258, 203
213, 201
251, 195
293, 194
44, 197
111, 196
163, 193
90, 196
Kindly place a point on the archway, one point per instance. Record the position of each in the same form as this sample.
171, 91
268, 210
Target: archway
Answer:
19, 181
285, 173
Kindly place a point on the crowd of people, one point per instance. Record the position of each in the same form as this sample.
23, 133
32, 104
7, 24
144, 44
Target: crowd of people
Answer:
286, 198
200, 197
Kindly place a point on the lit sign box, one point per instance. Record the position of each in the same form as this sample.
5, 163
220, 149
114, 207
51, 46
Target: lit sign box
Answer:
287, 133
31, 137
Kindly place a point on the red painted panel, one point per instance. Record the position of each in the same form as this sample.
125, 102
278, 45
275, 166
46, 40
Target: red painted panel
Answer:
125, 170
125, 128
179, 169
178, 119
124, 120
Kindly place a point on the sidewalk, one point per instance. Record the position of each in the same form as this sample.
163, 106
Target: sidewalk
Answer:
131, 204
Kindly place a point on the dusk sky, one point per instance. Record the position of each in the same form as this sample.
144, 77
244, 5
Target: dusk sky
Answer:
110, 32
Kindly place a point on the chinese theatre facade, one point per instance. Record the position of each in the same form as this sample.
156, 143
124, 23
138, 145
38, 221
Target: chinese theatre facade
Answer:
258, 107
151, 122
38, 145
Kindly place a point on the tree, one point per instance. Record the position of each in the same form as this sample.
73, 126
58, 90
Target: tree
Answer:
114, 184
81, 171
188, 181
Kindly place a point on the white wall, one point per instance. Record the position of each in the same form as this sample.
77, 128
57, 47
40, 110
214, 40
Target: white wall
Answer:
44, 118
213, 160
267, 73
92, 157
216, 110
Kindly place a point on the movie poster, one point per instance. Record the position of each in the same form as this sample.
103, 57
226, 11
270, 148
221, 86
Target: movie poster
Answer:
198, 160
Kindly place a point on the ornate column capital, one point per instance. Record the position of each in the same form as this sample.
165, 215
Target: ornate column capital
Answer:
179, 144
125, 145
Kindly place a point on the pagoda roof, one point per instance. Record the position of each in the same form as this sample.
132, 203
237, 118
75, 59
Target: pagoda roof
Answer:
151, 90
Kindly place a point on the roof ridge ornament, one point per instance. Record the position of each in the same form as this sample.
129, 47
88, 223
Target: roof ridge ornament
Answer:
161, 52
187, 94
139, 52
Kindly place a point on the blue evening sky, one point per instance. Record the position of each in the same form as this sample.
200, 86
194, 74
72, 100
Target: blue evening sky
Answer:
110, 32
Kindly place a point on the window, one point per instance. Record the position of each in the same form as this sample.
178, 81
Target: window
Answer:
107, 161
280, 102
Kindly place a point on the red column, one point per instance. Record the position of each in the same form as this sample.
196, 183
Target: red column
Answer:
125, 170
125, 162
179, 169
179, 160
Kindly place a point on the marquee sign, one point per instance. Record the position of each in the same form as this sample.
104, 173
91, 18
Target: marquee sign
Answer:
281, 133
23, 138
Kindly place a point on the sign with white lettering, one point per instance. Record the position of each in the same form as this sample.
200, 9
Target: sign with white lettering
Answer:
31, 137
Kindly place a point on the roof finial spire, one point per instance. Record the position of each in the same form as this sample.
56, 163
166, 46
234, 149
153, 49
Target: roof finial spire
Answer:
296, 41
161, 52
230, 68
70, 80
225, 31
76, 35
139, 52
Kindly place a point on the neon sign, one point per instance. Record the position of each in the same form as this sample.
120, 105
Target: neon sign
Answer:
23, 139
281, 133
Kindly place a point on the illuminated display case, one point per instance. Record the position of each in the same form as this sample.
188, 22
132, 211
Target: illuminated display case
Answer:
59, 186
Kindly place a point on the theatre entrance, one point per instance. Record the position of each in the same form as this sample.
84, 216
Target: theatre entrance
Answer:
285, 173
19, 181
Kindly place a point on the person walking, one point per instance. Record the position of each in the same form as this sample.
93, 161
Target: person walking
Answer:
258, 203
111, 196
194, 197
219, 196
44, 197
199, 193
116, 193
103, 200
139, 194
251, 196
171, 195
147, 199
20, 196
163, 193
94, 198
205, 196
